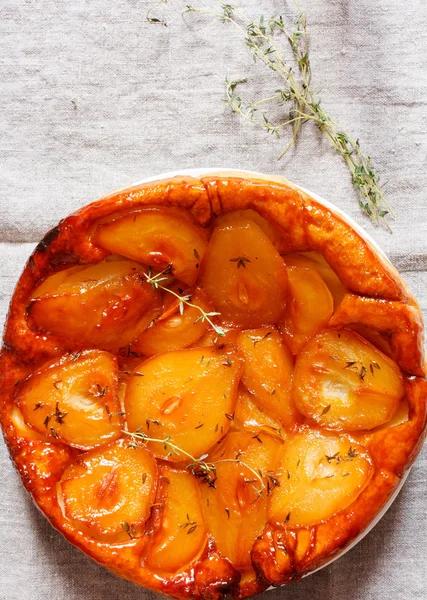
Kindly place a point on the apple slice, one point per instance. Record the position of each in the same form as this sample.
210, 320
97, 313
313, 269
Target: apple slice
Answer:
267, 374
343, 382
187, 396
174, 329
97, 305
178, 531
400, 416
310, 304
320, 474
23, 429
74, 399
271, 231
236, 503
157, 237
109, 491
244, 275
252, 417
326, 272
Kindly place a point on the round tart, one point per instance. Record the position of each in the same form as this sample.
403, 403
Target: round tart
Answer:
213, 384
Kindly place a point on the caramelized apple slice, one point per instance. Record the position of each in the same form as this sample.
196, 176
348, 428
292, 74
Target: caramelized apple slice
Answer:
267, 373
74, 400
147, 320
343, 382
109, 491
244, 275
309, 305
400, 416
97, 305
157, 237
252, 417
174, 329
187, 396
236, 507
178, 529
271, 231
320, 474
24, 430
326, 273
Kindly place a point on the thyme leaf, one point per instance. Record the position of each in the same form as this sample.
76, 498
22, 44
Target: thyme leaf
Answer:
240, 260
59, 415
190, 525
98, 391
129, 529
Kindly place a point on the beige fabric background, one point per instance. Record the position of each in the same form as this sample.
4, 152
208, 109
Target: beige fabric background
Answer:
93, 97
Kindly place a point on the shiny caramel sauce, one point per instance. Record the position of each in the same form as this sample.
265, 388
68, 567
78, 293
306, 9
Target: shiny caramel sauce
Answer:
196, 410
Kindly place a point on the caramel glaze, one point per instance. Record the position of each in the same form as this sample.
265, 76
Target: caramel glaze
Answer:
280, 554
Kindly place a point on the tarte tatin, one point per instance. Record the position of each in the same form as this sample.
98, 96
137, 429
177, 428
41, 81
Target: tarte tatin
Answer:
211, 385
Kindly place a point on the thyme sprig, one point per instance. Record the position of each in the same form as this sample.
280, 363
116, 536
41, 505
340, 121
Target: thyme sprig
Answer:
338, 457
206, 471
295, 74
184, 299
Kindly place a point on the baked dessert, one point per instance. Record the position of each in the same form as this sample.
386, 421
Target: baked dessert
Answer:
211, 385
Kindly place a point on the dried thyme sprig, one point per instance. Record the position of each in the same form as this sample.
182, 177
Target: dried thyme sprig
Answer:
295, 91
197, 466
184, 300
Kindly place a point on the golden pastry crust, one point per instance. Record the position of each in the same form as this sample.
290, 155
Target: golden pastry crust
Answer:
376, 298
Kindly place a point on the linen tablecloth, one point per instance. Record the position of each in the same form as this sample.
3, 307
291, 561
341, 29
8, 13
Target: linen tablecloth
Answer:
94, 97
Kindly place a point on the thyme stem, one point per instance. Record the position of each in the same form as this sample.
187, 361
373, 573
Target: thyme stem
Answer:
249, 468
155, 20
206, 467
155, 282
295, 75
